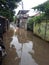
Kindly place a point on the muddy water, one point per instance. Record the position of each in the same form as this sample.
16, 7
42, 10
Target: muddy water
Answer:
25, 49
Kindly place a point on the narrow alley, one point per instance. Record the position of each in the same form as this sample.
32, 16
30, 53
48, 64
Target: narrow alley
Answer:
25, 49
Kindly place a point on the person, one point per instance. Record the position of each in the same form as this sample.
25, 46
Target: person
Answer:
2, 48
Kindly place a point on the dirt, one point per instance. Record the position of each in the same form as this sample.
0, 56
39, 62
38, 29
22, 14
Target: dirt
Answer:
34, 51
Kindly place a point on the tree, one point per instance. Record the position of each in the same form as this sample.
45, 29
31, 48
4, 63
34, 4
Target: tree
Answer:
45, 9
7, 8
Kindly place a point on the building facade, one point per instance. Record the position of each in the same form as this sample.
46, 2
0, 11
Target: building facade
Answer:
22, 18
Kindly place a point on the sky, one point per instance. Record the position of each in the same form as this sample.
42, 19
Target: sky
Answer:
28, 4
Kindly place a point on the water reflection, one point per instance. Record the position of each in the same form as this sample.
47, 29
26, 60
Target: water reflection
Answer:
23, 46
15, 44
25, 49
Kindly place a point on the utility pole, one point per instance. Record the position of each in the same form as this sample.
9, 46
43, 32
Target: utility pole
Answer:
22, 5
22, 13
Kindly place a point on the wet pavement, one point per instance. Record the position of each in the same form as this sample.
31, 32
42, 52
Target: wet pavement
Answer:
25, 49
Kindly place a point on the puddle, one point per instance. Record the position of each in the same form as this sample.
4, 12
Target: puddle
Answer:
23, 49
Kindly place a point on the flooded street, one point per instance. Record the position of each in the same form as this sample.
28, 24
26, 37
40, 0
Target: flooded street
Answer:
25, 49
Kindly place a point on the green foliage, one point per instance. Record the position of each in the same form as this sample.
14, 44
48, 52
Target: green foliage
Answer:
30, 24
30, 20
36, 19
44, 8
7, 8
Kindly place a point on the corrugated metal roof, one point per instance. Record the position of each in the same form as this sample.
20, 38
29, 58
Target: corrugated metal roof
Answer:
22, 12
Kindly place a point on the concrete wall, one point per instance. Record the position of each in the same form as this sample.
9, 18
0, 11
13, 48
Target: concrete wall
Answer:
39, 29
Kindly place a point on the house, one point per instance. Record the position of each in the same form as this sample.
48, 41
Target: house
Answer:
22, 17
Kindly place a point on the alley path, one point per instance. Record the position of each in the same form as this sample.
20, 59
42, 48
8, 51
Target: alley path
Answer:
25, 49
